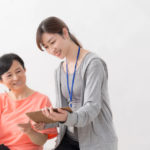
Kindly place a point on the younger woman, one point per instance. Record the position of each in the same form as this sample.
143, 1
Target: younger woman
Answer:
81, 83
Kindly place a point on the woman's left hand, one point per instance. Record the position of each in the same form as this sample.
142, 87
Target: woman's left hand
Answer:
60, 116
25, 127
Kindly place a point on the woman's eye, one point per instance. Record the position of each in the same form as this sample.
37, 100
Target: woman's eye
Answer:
9, 75
18, 71
52, 42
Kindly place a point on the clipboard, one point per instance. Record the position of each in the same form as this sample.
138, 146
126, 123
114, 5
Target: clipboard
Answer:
37, 116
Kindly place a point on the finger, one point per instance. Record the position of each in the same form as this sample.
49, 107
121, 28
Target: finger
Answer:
46, 112
37, 127
49, 113
43, 112
43, 109
41, 126
54, 111
62, 111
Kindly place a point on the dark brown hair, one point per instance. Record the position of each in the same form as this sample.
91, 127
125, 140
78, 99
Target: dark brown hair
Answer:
52, 25
6, 61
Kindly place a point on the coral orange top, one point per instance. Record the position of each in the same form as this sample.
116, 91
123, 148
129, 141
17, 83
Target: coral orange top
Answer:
13, 112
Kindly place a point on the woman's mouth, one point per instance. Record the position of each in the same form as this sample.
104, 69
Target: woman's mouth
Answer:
16, 83
58, 53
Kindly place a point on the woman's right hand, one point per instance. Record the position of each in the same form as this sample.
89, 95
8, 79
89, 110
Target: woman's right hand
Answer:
39, 126
57, 116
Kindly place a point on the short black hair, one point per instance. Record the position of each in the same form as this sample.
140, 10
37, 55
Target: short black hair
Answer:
6, 61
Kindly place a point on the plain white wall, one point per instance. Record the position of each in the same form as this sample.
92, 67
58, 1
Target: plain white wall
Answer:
117, 30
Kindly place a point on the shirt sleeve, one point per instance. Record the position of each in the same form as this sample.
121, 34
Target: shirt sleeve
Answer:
94, 78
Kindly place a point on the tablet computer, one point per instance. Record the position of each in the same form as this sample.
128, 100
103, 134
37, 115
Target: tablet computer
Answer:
37, 116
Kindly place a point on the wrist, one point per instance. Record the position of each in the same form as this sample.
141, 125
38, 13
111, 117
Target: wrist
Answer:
65, 119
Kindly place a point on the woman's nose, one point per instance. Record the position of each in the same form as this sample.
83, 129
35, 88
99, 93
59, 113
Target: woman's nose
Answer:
51, 50
15, 77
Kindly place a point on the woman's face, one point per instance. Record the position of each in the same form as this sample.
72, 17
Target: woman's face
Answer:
55, 44
15, 78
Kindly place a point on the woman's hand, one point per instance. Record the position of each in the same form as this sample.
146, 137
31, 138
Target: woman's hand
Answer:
60, 116
25, 127
39, 126
35, 137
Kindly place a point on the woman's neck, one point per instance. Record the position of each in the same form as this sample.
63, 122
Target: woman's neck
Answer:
72, 53
21, 94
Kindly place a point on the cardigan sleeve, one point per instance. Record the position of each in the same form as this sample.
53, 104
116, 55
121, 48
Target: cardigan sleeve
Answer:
95, 76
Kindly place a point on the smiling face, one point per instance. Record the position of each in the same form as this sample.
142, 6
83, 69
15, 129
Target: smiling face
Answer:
56, 44
15, 78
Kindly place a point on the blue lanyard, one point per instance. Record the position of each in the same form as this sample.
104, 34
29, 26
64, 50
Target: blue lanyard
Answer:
70, 93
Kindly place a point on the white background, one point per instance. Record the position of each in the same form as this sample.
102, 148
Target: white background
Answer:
117, 30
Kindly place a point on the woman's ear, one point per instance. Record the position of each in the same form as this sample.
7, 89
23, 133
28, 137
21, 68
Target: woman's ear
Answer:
65, 33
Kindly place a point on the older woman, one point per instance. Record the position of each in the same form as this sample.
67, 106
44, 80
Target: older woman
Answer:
16, 131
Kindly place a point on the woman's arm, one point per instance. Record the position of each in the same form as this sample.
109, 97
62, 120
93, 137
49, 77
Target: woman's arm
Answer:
35, 137
95, 78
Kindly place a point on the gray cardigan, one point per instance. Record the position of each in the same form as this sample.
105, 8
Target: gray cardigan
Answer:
94, 118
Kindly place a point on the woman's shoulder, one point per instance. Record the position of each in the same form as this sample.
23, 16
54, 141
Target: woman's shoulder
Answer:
40, 95
92, 60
